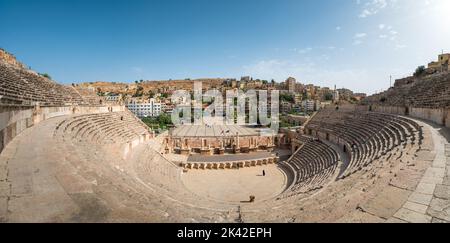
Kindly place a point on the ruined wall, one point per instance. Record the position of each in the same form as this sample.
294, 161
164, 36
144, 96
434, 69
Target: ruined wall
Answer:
447, 118
15, 119
435, 115
397, 110
440, 116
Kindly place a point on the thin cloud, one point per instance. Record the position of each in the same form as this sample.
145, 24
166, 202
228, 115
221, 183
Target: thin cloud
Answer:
360, 35
358, 38
373, 7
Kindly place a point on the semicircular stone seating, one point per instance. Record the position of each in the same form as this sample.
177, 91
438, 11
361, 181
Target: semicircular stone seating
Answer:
94, 139
365, 136
24, 87
313, 165
102, 128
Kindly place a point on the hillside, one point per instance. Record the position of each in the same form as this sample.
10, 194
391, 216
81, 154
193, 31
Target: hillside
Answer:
430, 91
155, 86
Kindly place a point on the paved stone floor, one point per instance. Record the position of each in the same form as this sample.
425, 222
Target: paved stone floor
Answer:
430, 201
236, 185
213, 131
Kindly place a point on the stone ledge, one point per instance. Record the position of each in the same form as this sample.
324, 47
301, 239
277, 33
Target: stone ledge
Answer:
426, 188
412, 217
420, 198
419, 208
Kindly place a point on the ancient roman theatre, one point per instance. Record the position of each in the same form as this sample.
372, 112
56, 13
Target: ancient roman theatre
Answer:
69, 156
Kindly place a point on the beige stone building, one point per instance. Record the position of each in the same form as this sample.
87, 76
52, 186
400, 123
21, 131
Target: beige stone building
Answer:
290, 84
441, 65
210, 140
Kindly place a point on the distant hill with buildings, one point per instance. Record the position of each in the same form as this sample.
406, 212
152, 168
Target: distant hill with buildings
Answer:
162, 86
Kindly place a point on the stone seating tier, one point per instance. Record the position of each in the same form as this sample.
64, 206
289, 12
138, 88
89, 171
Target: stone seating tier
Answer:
367, 136
23, 87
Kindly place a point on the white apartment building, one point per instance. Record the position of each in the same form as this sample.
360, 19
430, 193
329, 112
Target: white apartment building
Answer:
152, 108
311, 105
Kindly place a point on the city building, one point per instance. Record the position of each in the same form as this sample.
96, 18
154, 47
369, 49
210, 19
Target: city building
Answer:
441, 65
311, 105
151, 108
290, 84
308, 105
335, 95
246, 79
285, 106
298, 98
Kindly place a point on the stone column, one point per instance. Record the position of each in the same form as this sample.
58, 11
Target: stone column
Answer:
237, 148
37, 114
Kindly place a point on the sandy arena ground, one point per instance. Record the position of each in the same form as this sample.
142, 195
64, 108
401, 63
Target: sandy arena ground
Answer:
236, 186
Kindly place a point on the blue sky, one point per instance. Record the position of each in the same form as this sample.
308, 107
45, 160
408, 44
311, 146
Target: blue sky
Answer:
356, 44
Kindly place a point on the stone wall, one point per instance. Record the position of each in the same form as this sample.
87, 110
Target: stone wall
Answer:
436, 115
15, 119
440, 116
390, 109
447, 119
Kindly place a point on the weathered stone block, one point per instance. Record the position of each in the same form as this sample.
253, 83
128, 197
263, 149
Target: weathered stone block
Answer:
412, 217
424, 199
426, 188
4, 189
442, 191
420, 208
440, 208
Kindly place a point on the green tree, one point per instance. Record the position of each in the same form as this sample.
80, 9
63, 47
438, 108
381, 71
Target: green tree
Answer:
151, 94
139, 92
419, 71
164, 119
287, 97
45, 75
